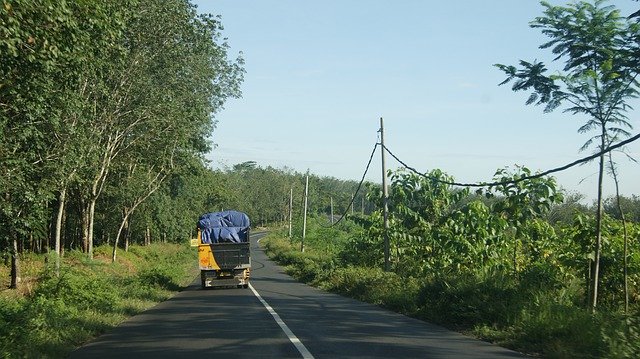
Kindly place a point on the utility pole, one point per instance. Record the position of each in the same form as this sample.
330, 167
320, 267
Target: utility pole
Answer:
304, 218
385, 201
291, 214
331, 210
352, 204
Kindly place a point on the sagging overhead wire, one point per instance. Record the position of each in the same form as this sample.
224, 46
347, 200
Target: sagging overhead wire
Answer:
479, 184
359, 186
523, 178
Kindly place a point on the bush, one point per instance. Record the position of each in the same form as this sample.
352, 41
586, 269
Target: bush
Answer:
468, 301
373, 285
89, 297
538, 311
623, 336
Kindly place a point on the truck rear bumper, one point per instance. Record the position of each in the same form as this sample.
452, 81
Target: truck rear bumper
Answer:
225, 278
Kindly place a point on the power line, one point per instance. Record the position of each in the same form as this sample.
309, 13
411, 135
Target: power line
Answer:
480, 184
359, 186
523, 178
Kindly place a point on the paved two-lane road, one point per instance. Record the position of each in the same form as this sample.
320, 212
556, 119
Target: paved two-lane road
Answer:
235, 323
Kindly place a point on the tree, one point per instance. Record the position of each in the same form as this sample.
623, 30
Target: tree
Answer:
176, 77
160, 93
90, 90
44, 45
598, 48
522, 201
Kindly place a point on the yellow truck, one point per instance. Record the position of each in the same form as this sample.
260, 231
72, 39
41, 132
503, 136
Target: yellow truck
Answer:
224, 253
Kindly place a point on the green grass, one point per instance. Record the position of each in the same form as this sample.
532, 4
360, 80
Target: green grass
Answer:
536, 314
52, 315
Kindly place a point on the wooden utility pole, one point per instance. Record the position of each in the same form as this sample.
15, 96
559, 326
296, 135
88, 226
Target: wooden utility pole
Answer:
385, 201
331, 210
291, 213
304, 218
352, 204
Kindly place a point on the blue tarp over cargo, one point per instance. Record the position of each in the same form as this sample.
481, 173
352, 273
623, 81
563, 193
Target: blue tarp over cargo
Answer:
227, 226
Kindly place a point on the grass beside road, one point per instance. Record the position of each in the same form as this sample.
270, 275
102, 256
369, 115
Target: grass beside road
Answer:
535, 319
51, 315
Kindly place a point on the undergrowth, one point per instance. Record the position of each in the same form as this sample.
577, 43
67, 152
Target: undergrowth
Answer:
56, 314
531, 314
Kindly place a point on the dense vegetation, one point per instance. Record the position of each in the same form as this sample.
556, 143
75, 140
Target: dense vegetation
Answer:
511, 266
102, 105
597, 49
52, 315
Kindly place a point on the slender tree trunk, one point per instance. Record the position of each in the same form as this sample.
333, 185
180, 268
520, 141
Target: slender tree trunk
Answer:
147, 236
15, 263
92, 214
120, 229
626, 262
515, 256
127, 232
61, 203
96, 189
46, 242
85, 227
596, 263
64, 241
587, 277
625, 252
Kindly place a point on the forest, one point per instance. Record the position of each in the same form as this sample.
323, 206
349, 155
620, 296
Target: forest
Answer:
102, 105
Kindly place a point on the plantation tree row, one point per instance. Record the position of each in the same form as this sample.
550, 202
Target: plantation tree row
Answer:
264, 193
100, 104
170, 213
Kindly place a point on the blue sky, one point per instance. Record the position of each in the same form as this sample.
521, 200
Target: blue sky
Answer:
320, 74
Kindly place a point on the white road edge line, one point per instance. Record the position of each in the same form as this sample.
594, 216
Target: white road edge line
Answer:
298, 344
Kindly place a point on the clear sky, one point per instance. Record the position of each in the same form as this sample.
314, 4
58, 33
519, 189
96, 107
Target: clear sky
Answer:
320, 74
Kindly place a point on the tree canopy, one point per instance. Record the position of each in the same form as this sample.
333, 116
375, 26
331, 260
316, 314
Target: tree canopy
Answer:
102, 97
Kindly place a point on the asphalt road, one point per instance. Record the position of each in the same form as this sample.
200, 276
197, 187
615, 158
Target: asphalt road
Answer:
303, 322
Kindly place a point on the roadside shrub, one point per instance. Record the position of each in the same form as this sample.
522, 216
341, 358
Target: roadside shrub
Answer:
304, 266
12, 328
623, 336
278, 248
88, 298
465, 301
162, 278
560, 331
373, 285
85, 289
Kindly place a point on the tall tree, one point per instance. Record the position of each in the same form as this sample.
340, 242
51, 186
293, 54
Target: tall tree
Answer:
599, 50
161, 94
43, 46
